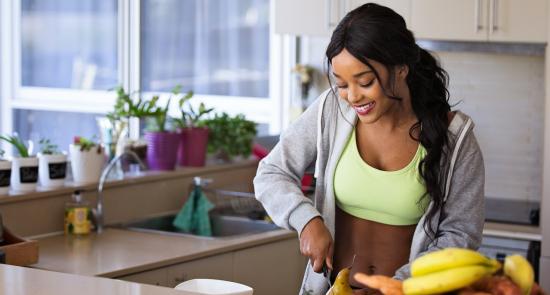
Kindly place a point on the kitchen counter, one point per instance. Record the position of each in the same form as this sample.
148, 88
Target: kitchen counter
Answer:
514, 231
28, 281
117, 252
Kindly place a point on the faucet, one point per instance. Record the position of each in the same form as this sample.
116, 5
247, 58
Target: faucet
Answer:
99, 207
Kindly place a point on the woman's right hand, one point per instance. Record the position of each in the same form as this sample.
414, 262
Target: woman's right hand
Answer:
316, 243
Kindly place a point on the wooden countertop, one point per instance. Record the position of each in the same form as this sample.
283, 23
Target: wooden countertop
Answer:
118, 252
28, 281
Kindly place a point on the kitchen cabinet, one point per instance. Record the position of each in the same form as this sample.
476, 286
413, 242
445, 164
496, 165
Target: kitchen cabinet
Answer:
215, 267
272, 268
269, 273
480, 20
319, 18
307, 17
403, 7
156, 277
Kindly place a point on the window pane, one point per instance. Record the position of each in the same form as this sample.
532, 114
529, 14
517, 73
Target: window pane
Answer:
59, 127
69, 44
216, 47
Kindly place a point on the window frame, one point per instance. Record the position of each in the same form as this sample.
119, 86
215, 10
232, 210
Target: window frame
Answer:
15, 96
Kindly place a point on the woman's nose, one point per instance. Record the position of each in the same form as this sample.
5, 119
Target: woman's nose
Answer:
354, 96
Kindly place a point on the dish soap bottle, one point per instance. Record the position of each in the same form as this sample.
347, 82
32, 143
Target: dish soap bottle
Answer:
78, 215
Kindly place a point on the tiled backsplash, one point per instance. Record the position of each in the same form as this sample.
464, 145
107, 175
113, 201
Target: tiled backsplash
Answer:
504, 94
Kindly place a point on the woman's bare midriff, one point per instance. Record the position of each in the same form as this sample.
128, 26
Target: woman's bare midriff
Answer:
379, 248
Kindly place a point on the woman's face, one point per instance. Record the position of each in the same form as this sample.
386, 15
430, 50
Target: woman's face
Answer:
358, 85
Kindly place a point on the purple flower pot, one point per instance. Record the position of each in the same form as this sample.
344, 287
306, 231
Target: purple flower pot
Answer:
162, 148
192, 150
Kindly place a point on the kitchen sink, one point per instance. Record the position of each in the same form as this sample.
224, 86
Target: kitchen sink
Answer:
222, 226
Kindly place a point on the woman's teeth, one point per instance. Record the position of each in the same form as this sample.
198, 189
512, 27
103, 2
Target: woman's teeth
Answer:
364, 109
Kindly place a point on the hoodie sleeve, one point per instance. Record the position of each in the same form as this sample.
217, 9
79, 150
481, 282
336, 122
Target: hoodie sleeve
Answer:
277, 184
463, 215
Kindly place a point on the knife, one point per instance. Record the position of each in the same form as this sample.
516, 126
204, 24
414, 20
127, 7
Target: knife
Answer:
326, 275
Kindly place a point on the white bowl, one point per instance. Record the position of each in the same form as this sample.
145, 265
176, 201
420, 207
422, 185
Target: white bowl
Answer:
214, 287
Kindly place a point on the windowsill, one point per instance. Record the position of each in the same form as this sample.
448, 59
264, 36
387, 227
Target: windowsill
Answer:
129, 179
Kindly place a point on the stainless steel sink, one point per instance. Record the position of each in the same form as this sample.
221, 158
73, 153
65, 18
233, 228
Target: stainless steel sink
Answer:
222, 226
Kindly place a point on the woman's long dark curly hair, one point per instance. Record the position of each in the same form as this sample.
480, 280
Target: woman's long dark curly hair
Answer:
378, 33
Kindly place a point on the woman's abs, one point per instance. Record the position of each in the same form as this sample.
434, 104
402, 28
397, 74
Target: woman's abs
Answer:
378, 248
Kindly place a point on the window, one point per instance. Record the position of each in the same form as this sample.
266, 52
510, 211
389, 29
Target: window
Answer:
69, 44
215, 47
60, 58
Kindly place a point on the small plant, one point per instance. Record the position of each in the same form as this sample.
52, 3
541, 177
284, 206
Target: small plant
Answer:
231, 136
159, 117
86, 144
125, 106
189, 117
17, 143
47, 147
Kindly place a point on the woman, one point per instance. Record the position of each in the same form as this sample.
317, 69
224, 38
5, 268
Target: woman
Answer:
398, 174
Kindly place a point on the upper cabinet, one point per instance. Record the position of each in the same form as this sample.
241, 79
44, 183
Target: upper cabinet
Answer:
518, 21
307, 17
403, 7
464, 20
320, 17
480, 20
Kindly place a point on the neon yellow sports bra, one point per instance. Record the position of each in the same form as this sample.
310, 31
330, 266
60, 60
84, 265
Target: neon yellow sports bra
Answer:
389, 197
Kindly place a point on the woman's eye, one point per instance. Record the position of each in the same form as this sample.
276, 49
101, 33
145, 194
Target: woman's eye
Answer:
367, 84
342, 86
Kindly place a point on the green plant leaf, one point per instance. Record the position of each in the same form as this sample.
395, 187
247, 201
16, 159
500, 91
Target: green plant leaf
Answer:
17, 143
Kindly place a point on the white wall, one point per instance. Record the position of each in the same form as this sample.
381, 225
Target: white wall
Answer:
504, 94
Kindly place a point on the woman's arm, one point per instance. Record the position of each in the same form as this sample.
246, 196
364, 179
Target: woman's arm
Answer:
463, 215
277, 182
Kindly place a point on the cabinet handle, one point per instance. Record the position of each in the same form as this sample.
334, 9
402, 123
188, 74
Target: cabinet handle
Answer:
328, 15
494, 23
478, 26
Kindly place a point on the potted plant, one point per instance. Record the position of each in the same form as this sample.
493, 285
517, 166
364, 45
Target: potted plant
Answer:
24, 176
5, 174
162, 144
230, 137
52, 168
87, 160
193, 133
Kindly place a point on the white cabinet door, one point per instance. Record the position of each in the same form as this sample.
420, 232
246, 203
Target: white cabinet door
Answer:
271, 269
403, 7
307, 17
518, 21
152, 277
465, 20
216, 267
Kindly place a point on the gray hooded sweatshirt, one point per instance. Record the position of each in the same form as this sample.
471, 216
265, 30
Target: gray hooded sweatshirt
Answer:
318, 138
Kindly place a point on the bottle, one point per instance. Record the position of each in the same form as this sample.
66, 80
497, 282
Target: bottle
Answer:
78, 215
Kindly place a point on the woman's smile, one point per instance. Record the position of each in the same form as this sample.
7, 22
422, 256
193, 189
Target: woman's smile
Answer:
364, 109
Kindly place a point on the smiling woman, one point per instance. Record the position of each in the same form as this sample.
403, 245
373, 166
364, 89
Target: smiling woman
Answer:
398, 174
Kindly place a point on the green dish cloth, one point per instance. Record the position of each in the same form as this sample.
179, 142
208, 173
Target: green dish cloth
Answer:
193, 217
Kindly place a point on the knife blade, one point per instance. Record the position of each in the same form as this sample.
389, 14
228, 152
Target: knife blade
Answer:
327, 275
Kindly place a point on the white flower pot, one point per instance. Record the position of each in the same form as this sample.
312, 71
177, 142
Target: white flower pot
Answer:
5, 175
24, 174
52, 170
86, 165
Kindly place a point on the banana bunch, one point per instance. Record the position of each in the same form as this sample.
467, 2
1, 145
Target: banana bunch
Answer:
446, 270
520, 272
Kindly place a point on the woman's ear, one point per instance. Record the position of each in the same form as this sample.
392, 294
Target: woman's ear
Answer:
402, 71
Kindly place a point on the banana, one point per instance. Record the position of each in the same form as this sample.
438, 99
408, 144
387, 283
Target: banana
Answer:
446, 280
520, 271
446, 259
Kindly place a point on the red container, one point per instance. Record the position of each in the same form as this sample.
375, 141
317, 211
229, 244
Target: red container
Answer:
192, 149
